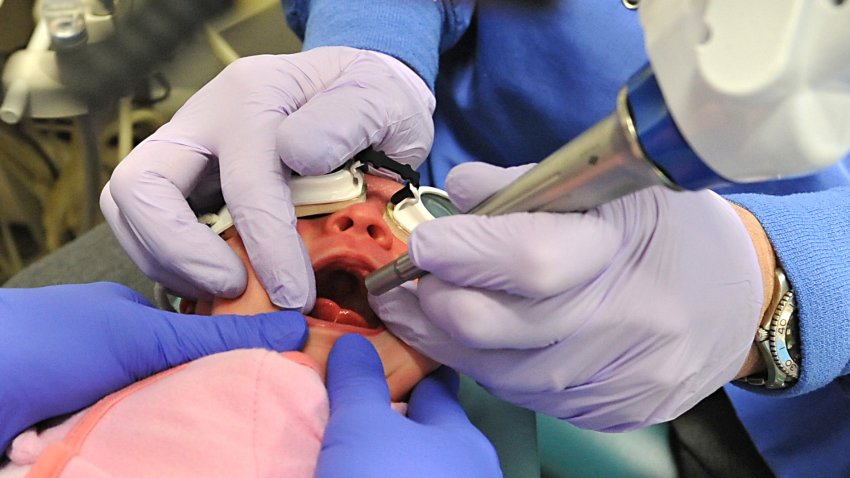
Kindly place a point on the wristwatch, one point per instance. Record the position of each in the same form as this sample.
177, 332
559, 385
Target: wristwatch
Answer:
777, 339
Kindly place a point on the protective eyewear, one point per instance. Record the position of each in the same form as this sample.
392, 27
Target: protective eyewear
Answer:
319, 195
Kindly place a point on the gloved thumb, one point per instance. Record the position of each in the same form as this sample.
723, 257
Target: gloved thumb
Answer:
355, 374
434, 400
181, 338
470, 183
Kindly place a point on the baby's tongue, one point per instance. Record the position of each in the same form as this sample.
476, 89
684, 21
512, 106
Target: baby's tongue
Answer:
330, 311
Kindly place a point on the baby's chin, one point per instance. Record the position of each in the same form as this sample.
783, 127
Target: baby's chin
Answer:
403, 366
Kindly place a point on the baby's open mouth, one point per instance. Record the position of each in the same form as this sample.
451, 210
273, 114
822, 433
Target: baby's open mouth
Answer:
341, 295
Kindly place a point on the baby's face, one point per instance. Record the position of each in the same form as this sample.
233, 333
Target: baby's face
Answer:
344, 247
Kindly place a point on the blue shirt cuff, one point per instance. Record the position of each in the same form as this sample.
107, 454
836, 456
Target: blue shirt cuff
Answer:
810, 233
408, 30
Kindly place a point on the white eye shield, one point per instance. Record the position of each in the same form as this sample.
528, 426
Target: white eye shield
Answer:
318, 195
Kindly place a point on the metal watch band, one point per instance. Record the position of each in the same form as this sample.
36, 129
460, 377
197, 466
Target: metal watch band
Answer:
777, 339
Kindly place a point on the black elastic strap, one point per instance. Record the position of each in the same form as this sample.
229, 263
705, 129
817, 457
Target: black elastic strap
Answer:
379, 160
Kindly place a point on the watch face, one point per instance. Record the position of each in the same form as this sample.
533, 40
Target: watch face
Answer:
791, 334
784, 345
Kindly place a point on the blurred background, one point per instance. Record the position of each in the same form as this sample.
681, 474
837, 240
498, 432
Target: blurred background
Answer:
55, 156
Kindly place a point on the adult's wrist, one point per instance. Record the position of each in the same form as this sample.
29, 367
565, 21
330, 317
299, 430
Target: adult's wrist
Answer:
767, 264
811, 235
754, 364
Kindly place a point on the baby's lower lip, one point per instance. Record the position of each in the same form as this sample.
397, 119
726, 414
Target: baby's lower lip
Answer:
344, 328
328, 314
329, 311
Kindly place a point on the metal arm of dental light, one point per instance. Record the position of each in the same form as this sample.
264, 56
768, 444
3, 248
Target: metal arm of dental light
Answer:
736, 92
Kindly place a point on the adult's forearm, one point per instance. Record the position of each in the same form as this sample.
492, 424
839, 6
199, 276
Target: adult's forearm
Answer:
413, 31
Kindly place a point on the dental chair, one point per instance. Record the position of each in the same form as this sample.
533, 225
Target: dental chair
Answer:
529, 445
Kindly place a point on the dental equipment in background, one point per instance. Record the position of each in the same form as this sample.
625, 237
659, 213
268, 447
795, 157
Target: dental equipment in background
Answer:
726, 100
85, 54
34, 83
80, 57
103, 71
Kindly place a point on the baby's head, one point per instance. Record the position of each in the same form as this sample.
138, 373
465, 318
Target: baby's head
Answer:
344, 246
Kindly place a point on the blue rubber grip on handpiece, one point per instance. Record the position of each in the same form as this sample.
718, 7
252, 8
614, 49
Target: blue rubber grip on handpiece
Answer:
636, 146
661, 140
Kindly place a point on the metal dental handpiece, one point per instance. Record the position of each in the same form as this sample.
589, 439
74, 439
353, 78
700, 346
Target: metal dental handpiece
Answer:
603, 163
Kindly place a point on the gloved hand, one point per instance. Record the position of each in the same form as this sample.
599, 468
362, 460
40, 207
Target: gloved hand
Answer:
617, 318
366, 438
64, 347
240, 136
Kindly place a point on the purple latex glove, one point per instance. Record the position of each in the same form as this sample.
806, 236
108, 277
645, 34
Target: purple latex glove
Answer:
241, 135
617, 318
366, 438
64, 347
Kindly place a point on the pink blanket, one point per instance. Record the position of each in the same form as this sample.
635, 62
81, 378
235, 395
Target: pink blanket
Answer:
240, 413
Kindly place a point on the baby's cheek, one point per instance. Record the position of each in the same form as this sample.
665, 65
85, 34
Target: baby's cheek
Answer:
310, 229
253, 301
398, 248
233, 307
403, 366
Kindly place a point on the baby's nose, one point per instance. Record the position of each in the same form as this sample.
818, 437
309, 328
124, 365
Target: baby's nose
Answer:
366, 219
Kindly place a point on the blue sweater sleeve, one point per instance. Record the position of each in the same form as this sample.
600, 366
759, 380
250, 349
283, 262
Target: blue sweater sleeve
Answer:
810, 233
414, 31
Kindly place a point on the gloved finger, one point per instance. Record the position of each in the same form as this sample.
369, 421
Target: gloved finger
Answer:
355, 374
434, 400
470, 183
485, 319
180, 338
368, 104
254, 184
159, 230
399, 310
146, 261
533, 255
